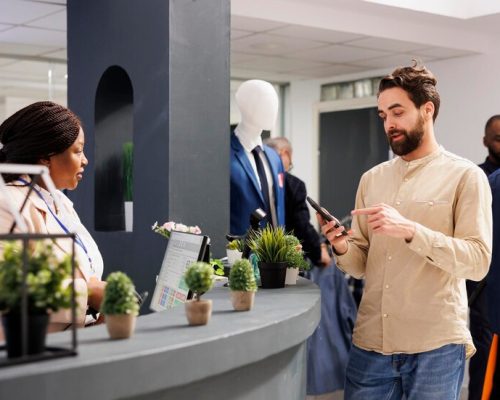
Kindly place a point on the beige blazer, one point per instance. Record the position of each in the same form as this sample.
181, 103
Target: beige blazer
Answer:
38, 220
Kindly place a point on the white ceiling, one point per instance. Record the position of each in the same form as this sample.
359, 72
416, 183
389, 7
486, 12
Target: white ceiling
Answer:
33, 39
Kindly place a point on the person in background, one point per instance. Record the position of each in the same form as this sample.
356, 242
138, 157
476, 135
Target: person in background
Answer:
490, 388
479, 326
491, 141
422, 225
49, 134
297, 217
328, 347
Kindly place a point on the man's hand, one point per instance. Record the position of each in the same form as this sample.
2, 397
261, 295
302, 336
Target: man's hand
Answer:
386, 220
334, 235
325, 256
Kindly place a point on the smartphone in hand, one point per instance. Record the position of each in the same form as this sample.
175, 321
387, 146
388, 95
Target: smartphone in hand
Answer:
324, 213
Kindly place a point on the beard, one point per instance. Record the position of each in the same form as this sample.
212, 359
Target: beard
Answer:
411, 139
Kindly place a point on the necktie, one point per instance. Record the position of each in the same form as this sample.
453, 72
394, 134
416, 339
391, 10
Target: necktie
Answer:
258, 154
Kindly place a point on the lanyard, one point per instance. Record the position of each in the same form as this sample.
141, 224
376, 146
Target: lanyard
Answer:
78, 240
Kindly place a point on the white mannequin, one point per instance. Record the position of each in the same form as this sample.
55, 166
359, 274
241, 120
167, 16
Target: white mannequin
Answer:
258, 104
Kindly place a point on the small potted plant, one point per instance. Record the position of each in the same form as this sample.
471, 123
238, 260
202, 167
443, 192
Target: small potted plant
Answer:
120, 305
270, 247
128, 184
234, 250
198, 278
295, 259
242, 285
47, 292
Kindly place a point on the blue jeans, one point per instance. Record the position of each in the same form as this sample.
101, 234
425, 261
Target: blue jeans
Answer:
431, 375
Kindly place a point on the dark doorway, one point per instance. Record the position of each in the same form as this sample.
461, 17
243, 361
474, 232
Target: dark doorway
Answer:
350, 143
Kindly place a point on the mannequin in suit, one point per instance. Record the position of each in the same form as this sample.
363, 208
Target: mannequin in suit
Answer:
258, 104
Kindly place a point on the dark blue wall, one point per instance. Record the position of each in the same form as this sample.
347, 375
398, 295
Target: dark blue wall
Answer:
176, 54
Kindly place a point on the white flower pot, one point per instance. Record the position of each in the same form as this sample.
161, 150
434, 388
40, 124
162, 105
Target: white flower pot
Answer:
129, 216
233, 256
291, 276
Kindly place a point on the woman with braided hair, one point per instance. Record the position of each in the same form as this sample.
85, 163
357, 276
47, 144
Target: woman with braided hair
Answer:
48, 134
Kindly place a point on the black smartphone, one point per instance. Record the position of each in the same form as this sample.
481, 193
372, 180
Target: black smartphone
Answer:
324, 213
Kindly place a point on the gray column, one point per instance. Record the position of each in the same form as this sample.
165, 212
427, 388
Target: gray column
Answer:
176, 55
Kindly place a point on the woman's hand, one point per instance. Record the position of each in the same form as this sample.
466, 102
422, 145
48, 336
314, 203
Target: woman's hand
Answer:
96, 292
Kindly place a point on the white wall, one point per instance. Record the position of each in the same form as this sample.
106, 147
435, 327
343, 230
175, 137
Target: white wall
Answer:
470, 94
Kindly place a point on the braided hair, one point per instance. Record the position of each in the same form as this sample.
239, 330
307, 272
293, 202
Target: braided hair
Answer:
37, 132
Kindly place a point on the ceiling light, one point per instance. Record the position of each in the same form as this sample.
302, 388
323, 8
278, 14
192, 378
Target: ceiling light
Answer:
265, 46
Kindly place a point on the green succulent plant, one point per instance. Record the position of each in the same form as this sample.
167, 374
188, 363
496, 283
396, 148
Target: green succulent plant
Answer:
119, 295
128, 167
295, 255
242, 277
236, 244
198, 278
44, 280
269, 244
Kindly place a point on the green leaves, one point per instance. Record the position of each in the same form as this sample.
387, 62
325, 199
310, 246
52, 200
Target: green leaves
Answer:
270, 244
295, 255
274, 245
236, 244
44, 280
241, 277
119, 295
198, 278
128, 167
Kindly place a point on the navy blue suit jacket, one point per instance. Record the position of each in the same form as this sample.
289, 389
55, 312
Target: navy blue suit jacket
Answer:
492, 287
246, 195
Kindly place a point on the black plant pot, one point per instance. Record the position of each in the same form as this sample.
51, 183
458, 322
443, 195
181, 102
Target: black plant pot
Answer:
272, 275
37, 332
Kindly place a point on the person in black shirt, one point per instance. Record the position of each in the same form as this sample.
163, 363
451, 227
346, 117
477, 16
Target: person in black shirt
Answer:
297, 217
491, 141
479, 325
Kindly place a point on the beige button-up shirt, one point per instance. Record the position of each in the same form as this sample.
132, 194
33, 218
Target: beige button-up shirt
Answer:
415, 298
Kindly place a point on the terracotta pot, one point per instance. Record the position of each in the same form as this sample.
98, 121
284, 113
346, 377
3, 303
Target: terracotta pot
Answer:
291, 276
242, 301
198, 312
120, 326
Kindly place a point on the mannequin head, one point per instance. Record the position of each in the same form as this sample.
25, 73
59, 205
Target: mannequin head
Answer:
258, 104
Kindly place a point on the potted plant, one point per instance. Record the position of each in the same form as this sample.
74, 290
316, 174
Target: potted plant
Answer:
242, 285
198, 278
270, 247
47, 292
234, 250
120, 305
128, 184
295, 259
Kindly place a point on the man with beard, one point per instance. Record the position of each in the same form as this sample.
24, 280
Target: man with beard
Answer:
479, 325
491, 141
421, 226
